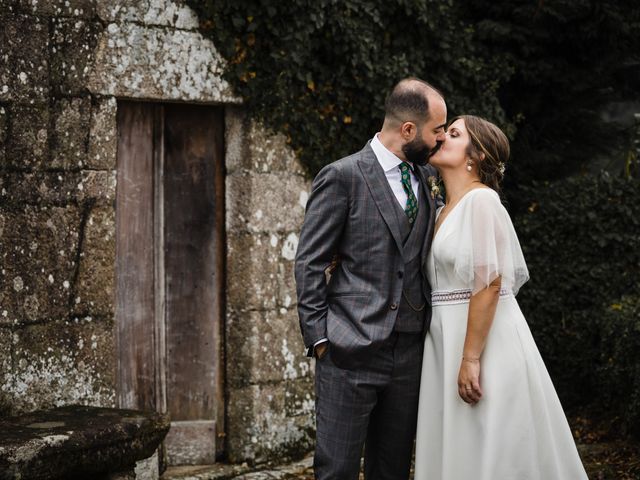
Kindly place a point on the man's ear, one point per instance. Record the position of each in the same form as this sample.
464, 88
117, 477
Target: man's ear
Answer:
408, 131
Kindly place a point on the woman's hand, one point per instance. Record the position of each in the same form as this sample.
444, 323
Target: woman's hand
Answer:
469, 381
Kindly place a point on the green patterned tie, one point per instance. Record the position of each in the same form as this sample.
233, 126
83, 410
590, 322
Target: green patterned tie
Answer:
411, 209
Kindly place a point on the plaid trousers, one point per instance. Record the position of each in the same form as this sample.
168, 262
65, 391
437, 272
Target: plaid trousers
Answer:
374, 406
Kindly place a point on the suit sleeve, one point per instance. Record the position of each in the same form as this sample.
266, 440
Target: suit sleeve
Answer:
325, 216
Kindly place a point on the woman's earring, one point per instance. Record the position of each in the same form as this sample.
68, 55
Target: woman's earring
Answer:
469, 165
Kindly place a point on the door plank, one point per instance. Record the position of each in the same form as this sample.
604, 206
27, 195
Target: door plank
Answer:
135, 258
193, 136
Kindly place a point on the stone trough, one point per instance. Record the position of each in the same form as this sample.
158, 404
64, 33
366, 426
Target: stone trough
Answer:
76, 442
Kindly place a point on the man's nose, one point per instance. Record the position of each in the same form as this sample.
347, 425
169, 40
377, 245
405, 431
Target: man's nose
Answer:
441, 137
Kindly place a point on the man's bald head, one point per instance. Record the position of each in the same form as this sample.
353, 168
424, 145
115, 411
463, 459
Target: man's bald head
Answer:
415, 120
409, 102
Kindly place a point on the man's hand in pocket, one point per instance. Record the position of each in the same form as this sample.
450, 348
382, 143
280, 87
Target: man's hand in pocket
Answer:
321, 349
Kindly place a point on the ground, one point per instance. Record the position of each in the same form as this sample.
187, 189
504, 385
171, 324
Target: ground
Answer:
604, 459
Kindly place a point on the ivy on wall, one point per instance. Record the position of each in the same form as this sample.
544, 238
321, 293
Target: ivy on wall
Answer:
319, 71
544, 71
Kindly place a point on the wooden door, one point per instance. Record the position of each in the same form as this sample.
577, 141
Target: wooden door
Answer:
170, 267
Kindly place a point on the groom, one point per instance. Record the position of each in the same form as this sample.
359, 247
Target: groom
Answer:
374, 210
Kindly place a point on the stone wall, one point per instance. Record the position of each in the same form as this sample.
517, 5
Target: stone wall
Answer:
57, 189
270, 382
63, 65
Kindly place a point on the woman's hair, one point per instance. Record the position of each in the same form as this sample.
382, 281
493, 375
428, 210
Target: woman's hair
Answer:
486, 138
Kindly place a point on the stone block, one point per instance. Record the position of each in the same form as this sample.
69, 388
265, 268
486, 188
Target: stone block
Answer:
103, 136
96, 274
270, 202
236, 127
27, 137
71, 8
3, 133
58, 8
259, 427
299, 398
260, 271
70, 132
72, 61
5, 370
57, 188
97, 186
39, 188
24, 53
166, 13
251, 147
63, 362
270, 152
39, 246
265, 347
137, 61
5, 352
285, 280
148, 469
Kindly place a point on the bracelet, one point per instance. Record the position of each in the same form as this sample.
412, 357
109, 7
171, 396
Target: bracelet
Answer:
472, 360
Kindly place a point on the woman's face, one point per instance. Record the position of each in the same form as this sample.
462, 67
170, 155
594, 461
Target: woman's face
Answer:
453, 151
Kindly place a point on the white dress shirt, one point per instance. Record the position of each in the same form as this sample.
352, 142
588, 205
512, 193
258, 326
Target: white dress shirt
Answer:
390, 163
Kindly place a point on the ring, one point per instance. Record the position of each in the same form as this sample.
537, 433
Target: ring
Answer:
467, 387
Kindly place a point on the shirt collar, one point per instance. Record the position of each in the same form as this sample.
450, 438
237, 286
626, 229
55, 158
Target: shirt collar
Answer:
387, 159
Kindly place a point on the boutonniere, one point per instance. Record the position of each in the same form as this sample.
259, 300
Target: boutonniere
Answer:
434, 186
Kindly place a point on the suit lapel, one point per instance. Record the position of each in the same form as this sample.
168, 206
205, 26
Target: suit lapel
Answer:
430, 201
380, 191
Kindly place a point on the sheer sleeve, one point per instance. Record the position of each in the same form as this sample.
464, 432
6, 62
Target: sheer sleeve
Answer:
488, 246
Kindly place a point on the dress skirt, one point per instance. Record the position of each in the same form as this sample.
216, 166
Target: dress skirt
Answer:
517, 431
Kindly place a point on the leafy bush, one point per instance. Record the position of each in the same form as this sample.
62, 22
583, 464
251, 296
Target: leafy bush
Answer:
581, 239
617, 375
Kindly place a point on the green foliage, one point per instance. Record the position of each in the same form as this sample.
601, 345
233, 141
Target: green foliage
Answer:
581, 240
617, 374
576, 63
319, 71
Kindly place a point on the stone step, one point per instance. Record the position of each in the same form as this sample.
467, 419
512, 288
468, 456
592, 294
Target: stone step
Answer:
299, 469
78, 442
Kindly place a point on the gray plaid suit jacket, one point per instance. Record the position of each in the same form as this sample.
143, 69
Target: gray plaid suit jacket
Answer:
350, 212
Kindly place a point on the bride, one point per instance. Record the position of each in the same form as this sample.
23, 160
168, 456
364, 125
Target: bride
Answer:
488, 409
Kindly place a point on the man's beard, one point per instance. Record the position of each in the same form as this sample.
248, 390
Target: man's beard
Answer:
433, 151
417, 151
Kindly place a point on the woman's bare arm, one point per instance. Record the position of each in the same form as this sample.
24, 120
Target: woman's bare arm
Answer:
482, 308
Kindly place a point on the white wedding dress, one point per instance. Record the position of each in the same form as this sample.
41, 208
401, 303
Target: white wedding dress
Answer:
518, 430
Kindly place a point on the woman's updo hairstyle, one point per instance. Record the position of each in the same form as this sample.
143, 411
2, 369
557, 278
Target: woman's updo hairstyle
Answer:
486, 138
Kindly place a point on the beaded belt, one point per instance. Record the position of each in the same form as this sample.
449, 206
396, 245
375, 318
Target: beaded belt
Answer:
458, 296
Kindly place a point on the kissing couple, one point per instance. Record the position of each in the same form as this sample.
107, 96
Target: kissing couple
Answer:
417, 334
